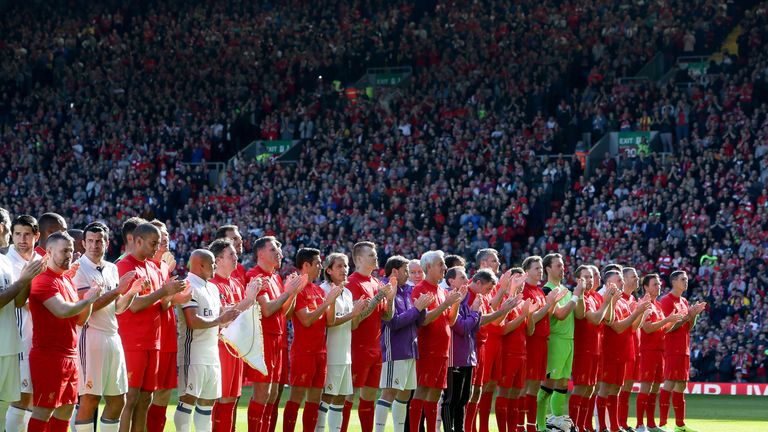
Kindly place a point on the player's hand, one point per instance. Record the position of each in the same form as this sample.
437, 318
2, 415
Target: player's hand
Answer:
675, 318
295, 283
173, 286
93, 292
511, 302
359, 306
138, 286
454, 296
228, 316
529, 308
170, 260
31, 269
555, 296
72, 270
578, 291
477, 303
334, 293
253, 289
518, 281
505, 281
423, 302
184, 296
126, 282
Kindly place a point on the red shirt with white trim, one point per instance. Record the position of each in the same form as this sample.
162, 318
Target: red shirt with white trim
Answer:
368, 334
621, 346
60, 334
309, 340
587, 337
140, 330
434, 338
653, 341
676, 342
537, 297
272, 287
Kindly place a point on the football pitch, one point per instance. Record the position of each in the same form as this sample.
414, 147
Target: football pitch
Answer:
704, 413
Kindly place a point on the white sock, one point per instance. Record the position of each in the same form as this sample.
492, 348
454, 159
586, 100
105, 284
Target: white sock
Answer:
399, 412
106, 425
321, 413
335, 417
183, 416
380, 414
203, 420
85, 427
16, 419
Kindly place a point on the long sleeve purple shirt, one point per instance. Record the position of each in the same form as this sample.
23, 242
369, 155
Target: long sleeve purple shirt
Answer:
398, 335
463, 337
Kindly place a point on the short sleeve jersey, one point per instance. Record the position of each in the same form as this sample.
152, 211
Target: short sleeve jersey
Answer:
231, 292
653, 341
536, 296
621, 346
339, 338
199, 346
104, 319
587, 336
366, 337
140, 330
60, 335
485, 308
676, 342
10, 340
167, 316
514, 341
309, 340
435, 337
272, 288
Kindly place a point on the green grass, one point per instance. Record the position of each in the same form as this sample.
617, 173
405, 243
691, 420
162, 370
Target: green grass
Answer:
704, 413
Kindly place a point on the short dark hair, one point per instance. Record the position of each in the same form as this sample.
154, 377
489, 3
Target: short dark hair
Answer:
516, 270
50, 219
222, 231
609, 273
528, 262
453, 272
582, 268
26, 220
305, 256
76, 233
548, 259
677, 274
130, 225
59, 236
262, 242
648, 278
626, 270
144, 230
359, 245
455, 261
218, 246
483, 254
394, 262
484, 275
610, 267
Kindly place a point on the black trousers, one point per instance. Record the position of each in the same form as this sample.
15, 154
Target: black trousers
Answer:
455, 398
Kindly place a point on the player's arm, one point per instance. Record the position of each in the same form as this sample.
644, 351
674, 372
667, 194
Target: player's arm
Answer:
499, 315
285, 301
580, 310
357, 309
170, 287
640, 320
596, 317
372, 305
61, 308
510, 326
21, 287
466, 324
622, 325
307, 318
561, 312
197, 322
651, 327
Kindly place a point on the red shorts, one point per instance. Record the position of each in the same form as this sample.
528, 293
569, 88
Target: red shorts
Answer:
676, 367
585, 367
286, 365
167, 375
143, 367
273, 357
366, 368
54, 379
431, 372
513, 375
308, 370
231, 373
479, 371
633, 370
613, 371
492, 360
651, 366
536, 360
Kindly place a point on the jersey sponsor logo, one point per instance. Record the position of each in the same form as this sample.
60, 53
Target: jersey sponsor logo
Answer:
207, 312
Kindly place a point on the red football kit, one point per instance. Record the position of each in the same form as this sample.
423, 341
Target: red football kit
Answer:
366, 348
230, 293
536, 359
274, 328
652, 348
166, 372
434, 340
587, 342
489, 356
677, 344
513, 353
614, 360
308, 351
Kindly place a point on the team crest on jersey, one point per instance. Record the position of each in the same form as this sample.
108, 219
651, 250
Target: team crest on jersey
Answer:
330, 386
89, 384
190, 387
397, 381
25, 383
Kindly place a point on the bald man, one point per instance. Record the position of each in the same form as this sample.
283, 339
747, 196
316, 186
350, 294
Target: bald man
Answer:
199, 367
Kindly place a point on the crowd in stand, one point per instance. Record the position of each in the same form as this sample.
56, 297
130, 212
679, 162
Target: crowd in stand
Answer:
104, 109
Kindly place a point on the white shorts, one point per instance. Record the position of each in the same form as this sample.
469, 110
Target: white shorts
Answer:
25, 385
102, 369
200, 381
398, 374
338, 380
9, 378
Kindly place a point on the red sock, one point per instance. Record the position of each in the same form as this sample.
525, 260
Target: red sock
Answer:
255, 415
512, 413
266, 418
414, 414
346, 412
623, 409
612, 403
222, 416
290, 413
156, 418
430, 414
642, 399
365, 412
650, 410
574, 405
522, 411
663, 406
57, 425
484, 410
501, 413
591, 412
602, 404
309, 417
678, 401
273, 417
530, 401
36, 425
469, 416
586, 411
